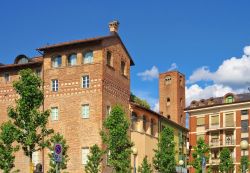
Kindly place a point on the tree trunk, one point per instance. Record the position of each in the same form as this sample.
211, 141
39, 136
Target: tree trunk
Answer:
31, 164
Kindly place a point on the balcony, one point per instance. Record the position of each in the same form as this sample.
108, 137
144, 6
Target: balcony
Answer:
214, 161
214, 143
230, 142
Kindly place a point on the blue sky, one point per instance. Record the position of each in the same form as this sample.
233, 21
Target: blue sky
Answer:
197, 37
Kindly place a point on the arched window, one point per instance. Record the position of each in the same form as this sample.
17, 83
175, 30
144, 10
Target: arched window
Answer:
134, 119
152, 127
167, 80
72, 59
23, 61
88, 57
56, 61
144, 123
168, 101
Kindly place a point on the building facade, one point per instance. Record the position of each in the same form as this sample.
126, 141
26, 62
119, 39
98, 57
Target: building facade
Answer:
222, 122
82, 81
146, 125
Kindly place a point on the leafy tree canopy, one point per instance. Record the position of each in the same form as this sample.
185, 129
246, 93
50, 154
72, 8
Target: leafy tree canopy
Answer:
226, 161
164, 160
139, 101
115, 137
145, 166
94, 160
7, 149
200, 150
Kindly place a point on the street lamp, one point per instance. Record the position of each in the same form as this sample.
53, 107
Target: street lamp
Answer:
135, 152
244, 147
181, 162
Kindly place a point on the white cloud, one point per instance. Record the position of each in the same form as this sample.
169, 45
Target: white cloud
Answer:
156, 107
247, 50
173, 67
195, 92
149, 75
233, 72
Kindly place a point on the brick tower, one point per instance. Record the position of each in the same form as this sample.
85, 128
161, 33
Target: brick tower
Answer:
172, 96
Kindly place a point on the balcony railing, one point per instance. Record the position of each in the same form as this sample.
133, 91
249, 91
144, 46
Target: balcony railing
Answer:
230, 142
214, 143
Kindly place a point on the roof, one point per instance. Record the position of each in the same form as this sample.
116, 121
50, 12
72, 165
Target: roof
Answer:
89, 40
211, 102
32, 62
159, 115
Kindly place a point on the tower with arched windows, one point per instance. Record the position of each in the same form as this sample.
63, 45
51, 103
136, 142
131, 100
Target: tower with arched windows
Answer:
172, 96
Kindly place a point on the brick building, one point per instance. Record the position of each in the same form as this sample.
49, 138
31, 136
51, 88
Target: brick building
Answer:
221, 122
83, 79
172, 96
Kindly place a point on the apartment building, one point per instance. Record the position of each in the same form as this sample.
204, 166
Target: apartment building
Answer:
221, 122
82, 81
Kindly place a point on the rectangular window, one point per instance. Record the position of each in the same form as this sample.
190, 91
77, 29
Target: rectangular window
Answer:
200, 136
85, 111
6, 77
244, 126
85, 152
229, 120
201, 121
215, 120
244, 139
38, 72
244, 112
85, 81
54, 85
108, 110
123, 64
54, 113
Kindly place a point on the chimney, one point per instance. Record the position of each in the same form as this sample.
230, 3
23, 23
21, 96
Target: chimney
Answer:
113, 26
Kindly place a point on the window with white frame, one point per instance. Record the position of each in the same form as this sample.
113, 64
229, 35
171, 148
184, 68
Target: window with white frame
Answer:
54, 83
72, 59
88, 57
85, 111
54, 113
56, 61
85, 81
85, 153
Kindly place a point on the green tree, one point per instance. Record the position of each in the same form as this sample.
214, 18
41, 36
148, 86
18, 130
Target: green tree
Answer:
58, 139
7, 149
139, 101
226, 161
145, 166
200, 150
244, 161
94, 160
27, 117
115, 137
164, 159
